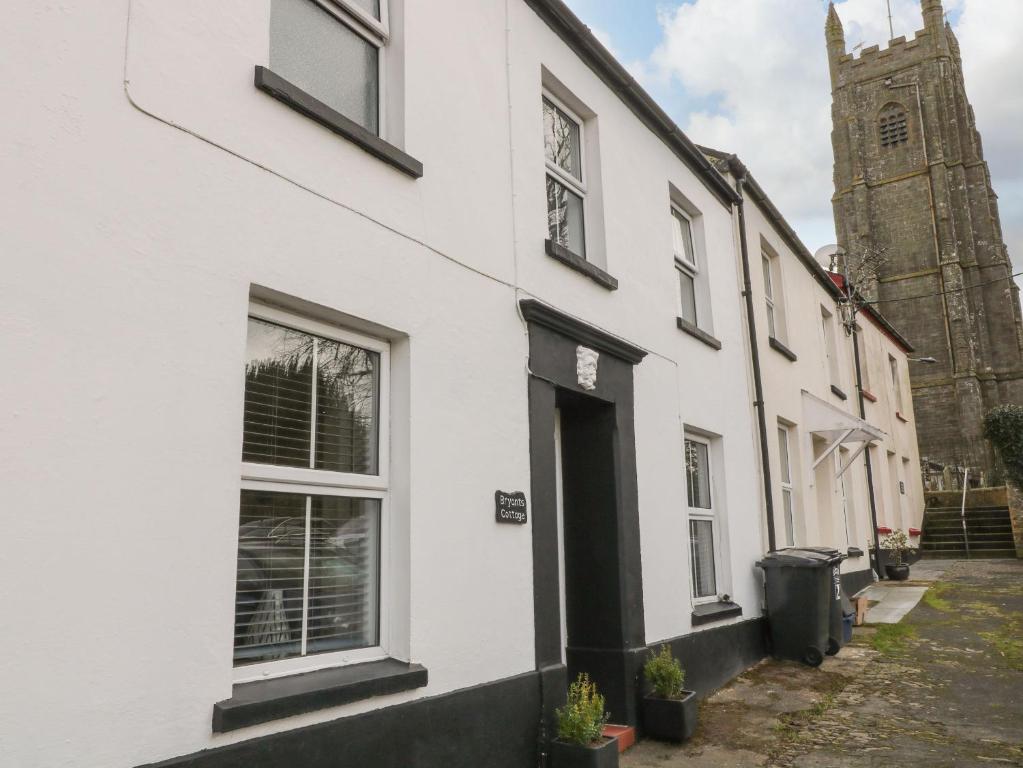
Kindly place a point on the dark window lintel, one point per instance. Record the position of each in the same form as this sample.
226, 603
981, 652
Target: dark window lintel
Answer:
839, 393
265, 700
697, 333
294, 97
581, 265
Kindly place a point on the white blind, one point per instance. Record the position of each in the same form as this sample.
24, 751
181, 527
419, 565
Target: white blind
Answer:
286, 609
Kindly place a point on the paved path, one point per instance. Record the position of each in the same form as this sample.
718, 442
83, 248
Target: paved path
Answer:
895, 599
941, 689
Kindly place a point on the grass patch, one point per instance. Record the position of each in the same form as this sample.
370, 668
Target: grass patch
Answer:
934, 597
1009, 643
892, 638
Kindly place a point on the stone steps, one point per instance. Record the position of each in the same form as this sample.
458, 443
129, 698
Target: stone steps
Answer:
988, 533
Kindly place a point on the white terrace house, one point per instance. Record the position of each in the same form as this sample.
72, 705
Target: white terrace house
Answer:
379, 366
827, 423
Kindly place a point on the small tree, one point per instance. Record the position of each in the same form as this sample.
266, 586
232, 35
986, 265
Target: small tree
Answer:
665, 674
1003, 426
897, 542
581, 721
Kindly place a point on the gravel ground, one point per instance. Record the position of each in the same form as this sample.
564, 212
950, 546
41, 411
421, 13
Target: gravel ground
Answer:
943, 688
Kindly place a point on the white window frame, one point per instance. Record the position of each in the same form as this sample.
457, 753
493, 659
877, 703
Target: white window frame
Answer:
830, 346
785, 445
686, 266
893, 365
563, 177
774, 296
377, 32
703, 515
316, 482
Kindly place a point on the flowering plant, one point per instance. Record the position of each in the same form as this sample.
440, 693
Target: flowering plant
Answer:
898, 543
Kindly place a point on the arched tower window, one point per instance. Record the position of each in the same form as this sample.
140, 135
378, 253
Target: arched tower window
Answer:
894, 126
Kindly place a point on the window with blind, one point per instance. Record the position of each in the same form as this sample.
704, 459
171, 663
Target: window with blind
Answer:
313, 499
702, 535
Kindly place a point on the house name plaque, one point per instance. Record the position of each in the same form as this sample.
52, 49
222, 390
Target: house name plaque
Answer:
510, 508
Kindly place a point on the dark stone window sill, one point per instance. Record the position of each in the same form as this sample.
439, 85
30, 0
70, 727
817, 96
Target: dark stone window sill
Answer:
838, 393
696, 333
869, 395
581, 265
854, 552
777, 346
265, 700
900, 417
710, 612
329, 118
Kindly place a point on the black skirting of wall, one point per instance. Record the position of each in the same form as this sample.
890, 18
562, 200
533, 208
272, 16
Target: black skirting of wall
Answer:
494, 725
856, 580
714, 656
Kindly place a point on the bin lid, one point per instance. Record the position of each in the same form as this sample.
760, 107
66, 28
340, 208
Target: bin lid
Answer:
800, 557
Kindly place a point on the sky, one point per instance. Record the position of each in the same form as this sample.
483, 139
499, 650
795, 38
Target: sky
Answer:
751, 77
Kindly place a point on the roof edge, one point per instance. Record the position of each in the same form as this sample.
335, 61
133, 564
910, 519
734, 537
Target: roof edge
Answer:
821, 275
587, 47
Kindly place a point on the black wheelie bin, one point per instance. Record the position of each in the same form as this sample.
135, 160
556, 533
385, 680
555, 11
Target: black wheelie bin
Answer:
800, 585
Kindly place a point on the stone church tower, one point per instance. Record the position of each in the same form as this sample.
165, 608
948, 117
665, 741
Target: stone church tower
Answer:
912, 187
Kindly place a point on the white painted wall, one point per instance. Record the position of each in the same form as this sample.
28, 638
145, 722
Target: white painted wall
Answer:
148, 186
819, 519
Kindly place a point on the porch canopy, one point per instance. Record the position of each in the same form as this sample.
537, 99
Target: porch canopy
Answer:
838, 428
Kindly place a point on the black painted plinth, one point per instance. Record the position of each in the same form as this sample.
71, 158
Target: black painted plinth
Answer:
574, 756
670, 719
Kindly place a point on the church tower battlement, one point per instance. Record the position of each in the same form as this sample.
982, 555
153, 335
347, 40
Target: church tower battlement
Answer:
911, 184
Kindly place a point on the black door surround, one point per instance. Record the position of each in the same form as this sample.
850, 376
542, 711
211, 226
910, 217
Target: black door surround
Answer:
605, 582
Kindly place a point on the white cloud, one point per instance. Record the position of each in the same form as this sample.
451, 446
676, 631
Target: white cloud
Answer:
762, 67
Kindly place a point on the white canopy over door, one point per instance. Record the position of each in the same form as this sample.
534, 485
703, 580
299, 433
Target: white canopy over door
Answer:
837, 428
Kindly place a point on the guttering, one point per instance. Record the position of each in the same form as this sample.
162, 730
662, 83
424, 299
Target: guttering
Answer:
822, 276
580, 39
738, 170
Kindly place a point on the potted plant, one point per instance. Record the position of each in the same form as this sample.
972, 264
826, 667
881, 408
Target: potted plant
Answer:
581, 742
896, 544
669, 711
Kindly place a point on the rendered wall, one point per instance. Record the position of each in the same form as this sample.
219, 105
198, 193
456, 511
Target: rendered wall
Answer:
151, 186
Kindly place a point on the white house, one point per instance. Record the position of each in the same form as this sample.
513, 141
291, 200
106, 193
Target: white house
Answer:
827, 420
373, 368
296, 350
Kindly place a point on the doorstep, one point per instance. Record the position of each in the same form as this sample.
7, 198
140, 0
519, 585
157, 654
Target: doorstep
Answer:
624, 734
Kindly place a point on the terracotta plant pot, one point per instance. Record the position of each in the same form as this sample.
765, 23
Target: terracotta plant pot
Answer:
897, 572
670, 719
604, 754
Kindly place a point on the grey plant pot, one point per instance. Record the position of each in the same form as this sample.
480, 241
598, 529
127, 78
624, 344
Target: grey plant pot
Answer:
574, 756
670, 719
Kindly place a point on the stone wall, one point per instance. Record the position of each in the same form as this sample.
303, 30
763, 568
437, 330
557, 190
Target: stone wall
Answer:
975, 498
1016, 514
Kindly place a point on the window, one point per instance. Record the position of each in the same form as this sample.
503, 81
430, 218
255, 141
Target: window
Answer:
773, 296
333, 50
686, 264
787, 504
893, 366
861, 344
830, 352
702, 546
894, 126
566, 190
314, 498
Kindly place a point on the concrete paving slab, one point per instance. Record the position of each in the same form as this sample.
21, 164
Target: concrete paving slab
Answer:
894, 603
